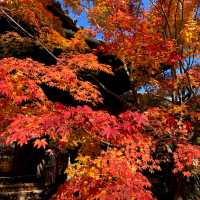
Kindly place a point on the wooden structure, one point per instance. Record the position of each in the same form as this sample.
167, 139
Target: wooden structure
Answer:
29, 179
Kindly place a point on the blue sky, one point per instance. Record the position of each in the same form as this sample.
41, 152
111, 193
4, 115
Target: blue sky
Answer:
146, 3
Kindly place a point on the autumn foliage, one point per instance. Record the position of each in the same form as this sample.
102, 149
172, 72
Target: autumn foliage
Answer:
122, 152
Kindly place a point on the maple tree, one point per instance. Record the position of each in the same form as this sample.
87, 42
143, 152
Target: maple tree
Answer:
120, 156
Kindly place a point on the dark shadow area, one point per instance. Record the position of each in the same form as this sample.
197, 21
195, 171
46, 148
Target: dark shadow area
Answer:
57, 95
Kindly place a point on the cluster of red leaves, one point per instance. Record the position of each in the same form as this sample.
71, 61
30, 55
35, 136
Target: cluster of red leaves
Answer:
186, 158
134, 134
130, 35
132, 137
120, 172
110, 176
164, 125
172, 133
20, 79
117, 172
60, 122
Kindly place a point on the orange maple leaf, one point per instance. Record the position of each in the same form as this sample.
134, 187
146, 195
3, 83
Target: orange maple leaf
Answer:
40, 143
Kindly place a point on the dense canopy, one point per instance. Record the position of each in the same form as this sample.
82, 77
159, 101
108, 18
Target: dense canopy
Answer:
129, 103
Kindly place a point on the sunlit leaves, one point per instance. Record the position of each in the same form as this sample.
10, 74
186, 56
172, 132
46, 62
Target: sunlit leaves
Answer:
21, 78
40, 143
108, 175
